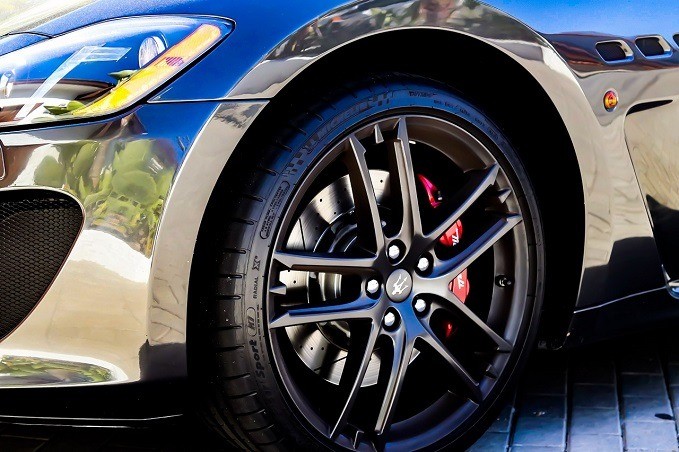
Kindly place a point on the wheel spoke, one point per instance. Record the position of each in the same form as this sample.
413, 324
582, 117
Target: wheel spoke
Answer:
324, 262
352, 379
502, 345
435, 343
367, 213
355, 310
403, 179
403, 349
449, 269
479, 181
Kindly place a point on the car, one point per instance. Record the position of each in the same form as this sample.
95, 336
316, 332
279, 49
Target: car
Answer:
326, 225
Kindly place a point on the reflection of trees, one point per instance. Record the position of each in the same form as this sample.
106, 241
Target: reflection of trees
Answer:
238, 115
331, 31
52, 371
123, 190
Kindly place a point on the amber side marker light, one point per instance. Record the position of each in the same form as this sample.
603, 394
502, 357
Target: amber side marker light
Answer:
159, 71
610, 100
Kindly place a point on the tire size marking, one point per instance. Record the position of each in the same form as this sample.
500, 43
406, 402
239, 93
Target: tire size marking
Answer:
272, 211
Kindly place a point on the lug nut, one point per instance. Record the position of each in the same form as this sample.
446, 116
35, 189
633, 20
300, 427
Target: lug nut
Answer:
389, 319
423, 264
393, 252
373, 286
420, 305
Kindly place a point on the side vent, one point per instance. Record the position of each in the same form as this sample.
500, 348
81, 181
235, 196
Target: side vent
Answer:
615, 51
654, 47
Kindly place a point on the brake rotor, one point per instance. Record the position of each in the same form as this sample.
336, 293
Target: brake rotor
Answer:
325, 225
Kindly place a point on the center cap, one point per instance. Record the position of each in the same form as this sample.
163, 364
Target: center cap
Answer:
399, 285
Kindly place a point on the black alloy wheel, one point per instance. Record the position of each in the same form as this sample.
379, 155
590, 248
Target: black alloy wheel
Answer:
381, 282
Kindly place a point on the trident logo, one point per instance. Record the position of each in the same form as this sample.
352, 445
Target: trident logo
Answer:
400, 285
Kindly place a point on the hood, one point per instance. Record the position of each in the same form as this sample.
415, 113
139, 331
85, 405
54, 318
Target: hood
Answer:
17, 16
54, 17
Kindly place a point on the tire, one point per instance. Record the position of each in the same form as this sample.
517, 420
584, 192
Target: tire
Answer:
256, 390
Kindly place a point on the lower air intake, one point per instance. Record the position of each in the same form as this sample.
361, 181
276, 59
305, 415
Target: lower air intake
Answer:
37, 230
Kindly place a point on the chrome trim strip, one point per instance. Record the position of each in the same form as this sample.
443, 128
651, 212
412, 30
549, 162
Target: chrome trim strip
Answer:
68, 421
591, 308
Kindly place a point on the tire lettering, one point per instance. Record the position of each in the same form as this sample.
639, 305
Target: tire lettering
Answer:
272, 211
258, 365
252, 322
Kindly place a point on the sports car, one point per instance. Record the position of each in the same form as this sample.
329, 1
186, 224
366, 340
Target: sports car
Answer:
326, 224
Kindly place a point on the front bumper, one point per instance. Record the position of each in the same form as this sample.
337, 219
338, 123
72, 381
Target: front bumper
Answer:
116, 311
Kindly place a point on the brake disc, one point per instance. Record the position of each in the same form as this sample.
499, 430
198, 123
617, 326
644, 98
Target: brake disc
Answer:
325, 225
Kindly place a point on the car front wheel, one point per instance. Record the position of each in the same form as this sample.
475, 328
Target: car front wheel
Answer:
377, 267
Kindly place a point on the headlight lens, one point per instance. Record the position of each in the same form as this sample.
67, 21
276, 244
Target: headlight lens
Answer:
100, 69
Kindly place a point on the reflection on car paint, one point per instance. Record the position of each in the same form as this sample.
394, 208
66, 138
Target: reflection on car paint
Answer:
127, 196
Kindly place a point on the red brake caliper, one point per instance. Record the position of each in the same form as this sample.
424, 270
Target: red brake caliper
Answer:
460, 285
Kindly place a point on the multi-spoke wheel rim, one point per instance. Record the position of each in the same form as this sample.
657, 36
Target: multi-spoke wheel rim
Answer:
397, 325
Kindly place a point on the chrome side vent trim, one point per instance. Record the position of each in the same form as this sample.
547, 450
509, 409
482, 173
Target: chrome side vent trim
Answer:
615, 51
653, 46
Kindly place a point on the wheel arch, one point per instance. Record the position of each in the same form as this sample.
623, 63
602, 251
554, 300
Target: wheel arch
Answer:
402, 51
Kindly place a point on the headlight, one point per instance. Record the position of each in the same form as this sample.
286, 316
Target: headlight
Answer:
100, 69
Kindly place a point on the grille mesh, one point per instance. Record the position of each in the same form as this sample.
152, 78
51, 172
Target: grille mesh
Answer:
37, 231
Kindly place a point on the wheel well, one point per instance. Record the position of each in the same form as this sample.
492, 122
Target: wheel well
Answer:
501, 88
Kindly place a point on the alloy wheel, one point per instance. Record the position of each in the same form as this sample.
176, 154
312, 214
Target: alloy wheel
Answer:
397, 283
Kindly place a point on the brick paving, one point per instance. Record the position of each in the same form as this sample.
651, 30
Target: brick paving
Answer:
622, 395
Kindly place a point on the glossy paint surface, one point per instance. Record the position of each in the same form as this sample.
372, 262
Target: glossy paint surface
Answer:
120, 300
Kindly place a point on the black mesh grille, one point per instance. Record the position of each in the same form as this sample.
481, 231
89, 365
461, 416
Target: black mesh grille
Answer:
37, 231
